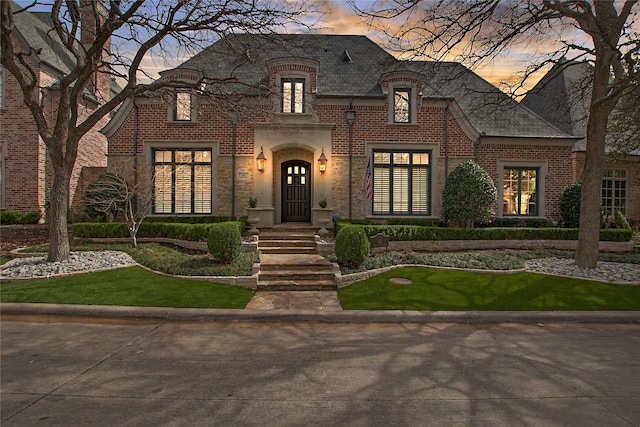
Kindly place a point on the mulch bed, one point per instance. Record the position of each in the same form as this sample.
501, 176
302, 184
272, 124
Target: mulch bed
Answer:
21, 236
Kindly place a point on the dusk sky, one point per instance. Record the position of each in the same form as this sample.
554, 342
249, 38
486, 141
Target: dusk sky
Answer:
339, 18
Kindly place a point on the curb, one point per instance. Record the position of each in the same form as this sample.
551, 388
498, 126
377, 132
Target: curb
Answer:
350, 316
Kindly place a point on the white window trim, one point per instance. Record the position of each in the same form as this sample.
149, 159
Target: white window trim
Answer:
542, 167
613, 178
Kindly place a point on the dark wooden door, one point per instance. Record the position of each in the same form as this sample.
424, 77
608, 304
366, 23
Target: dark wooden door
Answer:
296, 176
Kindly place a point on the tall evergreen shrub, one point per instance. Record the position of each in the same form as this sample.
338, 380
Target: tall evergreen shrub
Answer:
570, 204
468, 196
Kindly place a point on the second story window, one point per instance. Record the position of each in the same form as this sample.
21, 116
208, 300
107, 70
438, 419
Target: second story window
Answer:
402, 105
293, 95
182, 107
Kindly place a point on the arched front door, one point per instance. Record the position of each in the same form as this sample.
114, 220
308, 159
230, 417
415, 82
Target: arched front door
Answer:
296, 191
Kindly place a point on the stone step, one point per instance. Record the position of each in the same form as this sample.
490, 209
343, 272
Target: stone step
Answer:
287, 243
269, 267
300, 285
306, 237
287, 250
295, 275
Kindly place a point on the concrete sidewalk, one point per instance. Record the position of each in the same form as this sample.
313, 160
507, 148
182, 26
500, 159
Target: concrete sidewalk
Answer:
294, 314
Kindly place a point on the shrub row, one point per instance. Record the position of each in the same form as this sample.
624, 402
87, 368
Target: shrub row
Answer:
199, 219
409, 232
192, 232
17, 217
521, 222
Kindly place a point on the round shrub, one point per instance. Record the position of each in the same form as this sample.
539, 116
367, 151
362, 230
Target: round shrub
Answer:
352, 245
468, 195
225, 241
570, 204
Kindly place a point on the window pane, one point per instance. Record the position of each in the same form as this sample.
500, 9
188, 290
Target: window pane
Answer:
614, 191
183, 156
401, 105
298, 96
420, 158
401, 158
419, 191
183, 189
519, 192
381, 191
202, 189
510, 192
203, 156
162, 156
162, 189
286, 97
400, 185
183, 106
180, 185
400, 191
293, 96
382, 158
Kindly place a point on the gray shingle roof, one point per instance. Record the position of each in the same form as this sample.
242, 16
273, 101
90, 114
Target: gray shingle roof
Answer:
35, 28
562, 97
244, 57
489, 110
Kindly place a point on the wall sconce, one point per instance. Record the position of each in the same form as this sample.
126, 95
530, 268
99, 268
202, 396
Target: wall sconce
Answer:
261, 160
322, 162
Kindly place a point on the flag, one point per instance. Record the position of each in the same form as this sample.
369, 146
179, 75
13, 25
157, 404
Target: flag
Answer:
369, 182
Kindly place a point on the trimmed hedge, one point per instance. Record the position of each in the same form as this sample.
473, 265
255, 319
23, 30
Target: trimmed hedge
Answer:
352, 245
198, 219
192, 232
409, 232
200, 232
521, 222
17, 217
224, 241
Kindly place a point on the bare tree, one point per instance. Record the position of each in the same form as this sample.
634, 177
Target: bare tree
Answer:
601, 32
119, 192
115, 42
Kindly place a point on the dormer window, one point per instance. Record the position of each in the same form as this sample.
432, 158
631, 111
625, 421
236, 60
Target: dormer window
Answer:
402, 105
182, 106
293, 95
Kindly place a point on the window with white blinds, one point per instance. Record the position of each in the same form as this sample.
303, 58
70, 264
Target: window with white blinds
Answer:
181, 181
401, 183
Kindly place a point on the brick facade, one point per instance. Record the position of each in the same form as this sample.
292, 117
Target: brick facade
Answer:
631, 166
438, 126
26, 169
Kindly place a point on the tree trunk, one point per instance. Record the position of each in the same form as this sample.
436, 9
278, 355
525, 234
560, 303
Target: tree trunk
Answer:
57, 217
589, 233
601, 105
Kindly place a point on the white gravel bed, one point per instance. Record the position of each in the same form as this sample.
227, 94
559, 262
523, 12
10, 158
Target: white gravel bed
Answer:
613, 272
38, 267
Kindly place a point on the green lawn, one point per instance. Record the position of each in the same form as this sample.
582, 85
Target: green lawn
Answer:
433, 289
127, 286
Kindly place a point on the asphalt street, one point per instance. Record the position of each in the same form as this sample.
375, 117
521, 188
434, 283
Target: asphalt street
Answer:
76, 371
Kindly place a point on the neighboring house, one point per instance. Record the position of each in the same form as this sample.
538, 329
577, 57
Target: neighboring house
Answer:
562, 97
25, 170
390, 132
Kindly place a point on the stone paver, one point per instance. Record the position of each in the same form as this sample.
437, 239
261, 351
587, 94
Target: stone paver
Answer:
296, 300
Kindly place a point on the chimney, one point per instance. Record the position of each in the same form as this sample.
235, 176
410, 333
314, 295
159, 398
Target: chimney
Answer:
92, 14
